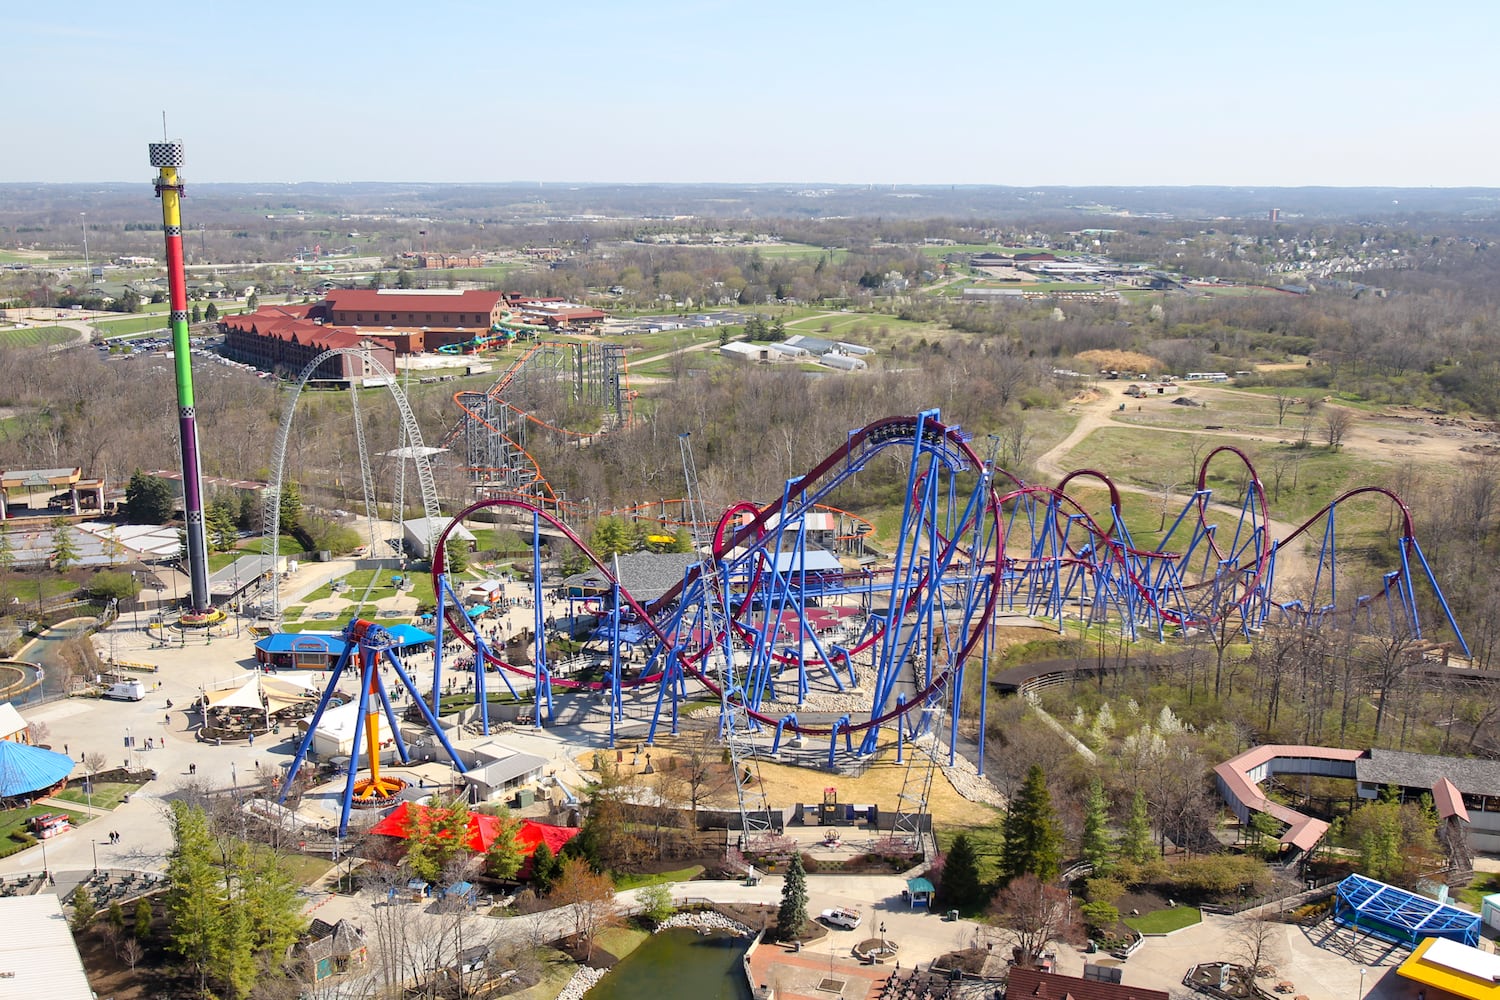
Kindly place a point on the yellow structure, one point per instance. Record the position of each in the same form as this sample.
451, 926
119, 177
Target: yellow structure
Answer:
1440, 969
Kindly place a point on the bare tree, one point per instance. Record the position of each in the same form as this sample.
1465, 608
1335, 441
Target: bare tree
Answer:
131, 952
1260, 944
1284, 403
592, 897
1037, 913
1336, 423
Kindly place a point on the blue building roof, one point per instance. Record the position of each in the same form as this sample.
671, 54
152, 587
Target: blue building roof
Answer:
30, 769
1399, 916
332, 642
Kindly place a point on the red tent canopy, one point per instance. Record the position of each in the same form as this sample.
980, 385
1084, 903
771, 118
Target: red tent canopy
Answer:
482, 830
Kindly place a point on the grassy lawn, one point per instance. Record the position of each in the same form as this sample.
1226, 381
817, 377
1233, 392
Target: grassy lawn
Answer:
305, 870
633, 881
1472, 895
1165, 921
621, 941
13, 835
133, 325
107, 794
37, 336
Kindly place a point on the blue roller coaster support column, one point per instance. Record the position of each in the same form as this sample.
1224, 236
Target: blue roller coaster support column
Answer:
615, 709
1443, 601
901, 571
841, 726
543, 682
787, 720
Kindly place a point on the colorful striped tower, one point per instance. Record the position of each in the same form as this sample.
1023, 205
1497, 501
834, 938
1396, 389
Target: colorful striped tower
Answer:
167, 158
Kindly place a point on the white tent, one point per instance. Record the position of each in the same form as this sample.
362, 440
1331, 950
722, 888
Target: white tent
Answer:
335, 732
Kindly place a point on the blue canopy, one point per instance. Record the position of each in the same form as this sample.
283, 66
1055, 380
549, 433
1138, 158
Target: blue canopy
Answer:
478, 609
25, 769
332, 643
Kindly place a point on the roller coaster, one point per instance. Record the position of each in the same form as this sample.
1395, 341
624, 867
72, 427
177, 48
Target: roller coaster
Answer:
837, 649
494, 425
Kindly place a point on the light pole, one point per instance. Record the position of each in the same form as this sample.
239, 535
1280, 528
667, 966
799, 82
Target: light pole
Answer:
1361, 994
45, 869
882, 937
95, 845
234, 778
88, 271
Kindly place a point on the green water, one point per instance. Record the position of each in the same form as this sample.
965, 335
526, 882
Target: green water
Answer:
679, 963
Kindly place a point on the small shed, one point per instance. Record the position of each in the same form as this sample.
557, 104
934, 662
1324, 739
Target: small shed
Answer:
1489, 911
919, 892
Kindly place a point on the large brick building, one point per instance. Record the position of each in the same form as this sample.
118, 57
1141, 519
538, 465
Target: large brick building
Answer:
283, 339
471, 310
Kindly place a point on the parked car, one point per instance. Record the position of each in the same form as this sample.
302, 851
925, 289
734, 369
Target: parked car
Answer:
841, 917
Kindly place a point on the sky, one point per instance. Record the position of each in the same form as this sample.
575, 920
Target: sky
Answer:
1264, 93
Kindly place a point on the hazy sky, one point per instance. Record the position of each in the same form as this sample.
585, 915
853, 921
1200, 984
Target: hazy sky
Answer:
1328, 92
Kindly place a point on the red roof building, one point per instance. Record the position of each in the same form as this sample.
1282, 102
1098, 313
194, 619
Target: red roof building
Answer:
1033, 984
284, 339
469, 309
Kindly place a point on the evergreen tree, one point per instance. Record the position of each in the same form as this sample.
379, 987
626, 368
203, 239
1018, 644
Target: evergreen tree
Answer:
1135, 842
195, 903
247, 516
148, 500
504, 857
142, 929
291, 508
959, 886
195, 316
793, 911
455, 557
435, 835
83, 908
64, 546
1033, 837
268, 898
543, 869
222, 532
211, 314
116, 916
1095, 847
610, 537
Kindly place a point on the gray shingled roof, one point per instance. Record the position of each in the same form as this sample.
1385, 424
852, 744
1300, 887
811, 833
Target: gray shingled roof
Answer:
646, 575
1420, 770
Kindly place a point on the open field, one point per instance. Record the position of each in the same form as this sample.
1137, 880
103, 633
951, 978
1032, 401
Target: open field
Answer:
37, 336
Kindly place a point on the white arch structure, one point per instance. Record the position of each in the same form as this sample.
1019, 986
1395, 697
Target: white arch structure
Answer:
271, 519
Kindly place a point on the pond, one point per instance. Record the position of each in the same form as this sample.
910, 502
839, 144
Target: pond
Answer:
702, 967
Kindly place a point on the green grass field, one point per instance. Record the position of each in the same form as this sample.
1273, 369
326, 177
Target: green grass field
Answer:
131, 326
634, 881
107, 794
13, 822
37, 336
1165, 921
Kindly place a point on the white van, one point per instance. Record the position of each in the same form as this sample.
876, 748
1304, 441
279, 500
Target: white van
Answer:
131, 690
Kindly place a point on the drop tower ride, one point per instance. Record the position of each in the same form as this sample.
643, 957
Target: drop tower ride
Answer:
167, 158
